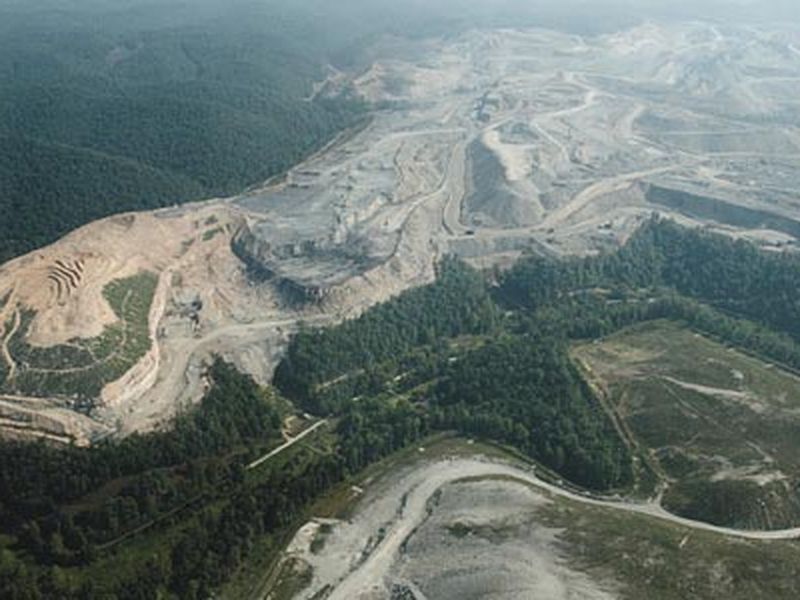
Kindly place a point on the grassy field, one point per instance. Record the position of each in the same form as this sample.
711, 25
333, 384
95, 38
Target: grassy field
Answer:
719, 427
80, 368
662, 561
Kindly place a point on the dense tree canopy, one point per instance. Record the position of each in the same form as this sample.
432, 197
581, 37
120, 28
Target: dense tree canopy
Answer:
457, 355
457, 304
141, 114
731, 275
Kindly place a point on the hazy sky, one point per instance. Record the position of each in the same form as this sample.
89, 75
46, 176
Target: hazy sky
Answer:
569, 14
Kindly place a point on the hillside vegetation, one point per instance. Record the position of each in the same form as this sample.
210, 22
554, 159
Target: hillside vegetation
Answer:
79, 369
107, 107
178, 513
153, 108
719, 426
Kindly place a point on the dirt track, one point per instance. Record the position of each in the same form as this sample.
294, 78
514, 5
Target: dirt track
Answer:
399, 510
288, 444
555, 139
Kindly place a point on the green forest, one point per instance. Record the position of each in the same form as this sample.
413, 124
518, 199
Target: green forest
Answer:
109, 106
177, 513
152, 109
113, 106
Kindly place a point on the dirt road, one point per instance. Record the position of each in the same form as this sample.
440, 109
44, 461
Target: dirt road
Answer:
420, 486
605, 186
177, 386
288, 444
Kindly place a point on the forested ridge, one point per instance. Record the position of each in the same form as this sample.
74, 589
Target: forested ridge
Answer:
117, 105
458, 304
489, 361
36, 477
154, 108
447, 349
509, 377
110, 106
733, 276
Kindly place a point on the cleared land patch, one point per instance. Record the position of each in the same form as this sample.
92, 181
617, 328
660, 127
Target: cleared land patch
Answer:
480, 529
721, 428
81, 367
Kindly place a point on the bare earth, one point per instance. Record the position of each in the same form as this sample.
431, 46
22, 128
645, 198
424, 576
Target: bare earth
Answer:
464, 528
483, 145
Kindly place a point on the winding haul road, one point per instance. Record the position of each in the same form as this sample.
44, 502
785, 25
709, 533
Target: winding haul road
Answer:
420, 486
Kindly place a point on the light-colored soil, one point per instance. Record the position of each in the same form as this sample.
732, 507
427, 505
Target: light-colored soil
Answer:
582, 129
464, 528
401, 533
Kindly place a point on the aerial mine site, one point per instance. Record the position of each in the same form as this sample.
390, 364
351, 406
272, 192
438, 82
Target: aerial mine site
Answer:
459, 521
487, 145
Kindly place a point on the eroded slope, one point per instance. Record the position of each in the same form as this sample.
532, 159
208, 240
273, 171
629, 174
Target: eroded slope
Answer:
483, 145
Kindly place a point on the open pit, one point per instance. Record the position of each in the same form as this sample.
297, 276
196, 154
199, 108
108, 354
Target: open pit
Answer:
485, 145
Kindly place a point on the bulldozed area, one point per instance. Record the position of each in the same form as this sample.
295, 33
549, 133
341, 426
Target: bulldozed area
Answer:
458, 519
484, 145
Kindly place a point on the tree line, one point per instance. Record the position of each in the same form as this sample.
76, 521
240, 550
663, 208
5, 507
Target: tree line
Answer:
137, 115
462, 355
733, 276
46, 493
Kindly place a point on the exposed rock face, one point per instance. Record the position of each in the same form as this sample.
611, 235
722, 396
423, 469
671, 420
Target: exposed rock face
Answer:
305, 272
484, 145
